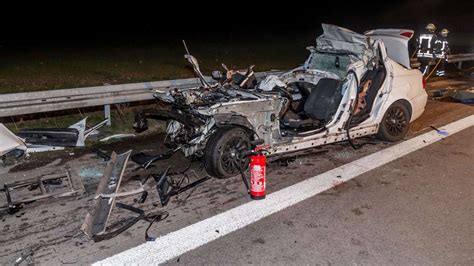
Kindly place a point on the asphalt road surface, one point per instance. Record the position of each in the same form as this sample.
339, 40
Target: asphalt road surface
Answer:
418, 209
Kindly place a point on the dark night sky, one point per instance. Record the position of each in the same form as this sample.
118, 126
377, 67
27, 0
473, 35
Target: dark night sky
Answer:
81, 21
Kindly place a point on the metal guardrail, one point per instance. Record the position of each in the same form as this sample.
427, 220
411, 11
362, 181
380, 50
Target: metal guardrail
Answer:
456, 58
54, 100
13, 104
459, 58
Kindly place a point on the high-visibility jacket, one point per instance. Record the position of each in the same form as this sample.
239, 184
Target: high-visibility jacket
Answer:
426, 44
441, 47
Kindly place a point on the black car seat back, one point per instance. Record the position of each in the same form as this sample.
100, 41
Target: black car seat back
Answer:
324, 99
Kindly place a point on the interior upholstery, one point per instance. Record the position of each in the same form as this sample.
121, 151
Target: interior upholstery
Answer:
377, 76
324, 99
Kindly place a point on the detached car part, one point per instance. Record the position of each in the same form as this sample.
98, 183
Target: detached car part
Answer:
48, 186
95, 224
96, 221
73, 136
10, 142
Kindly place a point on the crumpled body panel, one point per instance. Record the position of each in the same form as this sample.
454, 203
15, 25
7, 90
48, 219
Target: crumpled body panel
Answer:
9, 141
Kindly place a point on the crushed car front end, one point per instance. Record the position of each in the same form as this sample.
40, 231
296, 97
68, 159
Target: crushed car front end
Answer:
195, 114
257, 116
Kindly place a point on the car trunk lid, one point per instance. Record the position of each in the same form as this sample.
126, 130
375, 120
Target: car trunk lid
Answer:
396, 42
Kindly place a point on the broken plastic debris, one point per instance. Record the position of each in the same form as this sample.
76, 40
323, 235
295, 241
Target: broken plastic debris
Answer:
91, 171
9, 142
440, 131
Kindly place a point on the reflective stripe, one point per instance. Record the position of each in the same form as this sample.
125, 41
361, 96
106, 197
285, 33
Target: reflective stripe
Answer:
424, 70
444, 45
428, 55
427, 37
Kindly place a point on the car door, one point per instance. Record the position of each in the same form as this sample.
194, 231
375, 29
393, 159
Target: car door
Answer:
385, 88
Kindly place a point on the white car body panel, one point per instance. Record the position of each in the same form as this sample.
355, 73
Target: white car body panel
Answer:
408, 85
400, 84
9, 141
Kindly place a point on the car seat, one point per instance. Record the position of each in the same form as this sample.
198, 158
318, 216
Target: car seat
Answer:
324, 99
378, 77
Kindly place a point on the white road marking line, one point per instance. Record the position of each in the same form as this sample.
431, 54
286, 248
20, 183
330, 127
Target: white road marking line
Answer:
186, 239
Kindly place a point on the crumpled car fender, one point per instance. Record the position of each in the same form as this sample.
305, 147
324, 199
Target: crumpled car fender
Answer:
233, 119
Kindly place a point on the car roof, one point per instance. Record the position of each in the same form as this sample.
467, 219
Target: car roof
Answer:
337, 39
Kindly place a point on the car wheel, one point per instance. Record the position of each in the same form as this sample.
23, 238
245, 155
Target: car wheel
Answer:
223, 152
395, 123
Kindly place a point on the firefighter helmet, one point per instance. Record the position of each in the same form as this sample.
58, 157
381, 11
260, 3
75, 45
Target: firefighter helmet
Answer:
431, 27
444, 32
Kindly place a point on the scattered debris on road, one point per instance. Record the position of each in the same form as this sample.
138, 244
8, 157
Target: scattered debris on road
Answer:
91, 171
440, 131
73, 136
95, 224
117, 136
96, 221
145, 160
167, 186
34, 140
101, 154
55, 185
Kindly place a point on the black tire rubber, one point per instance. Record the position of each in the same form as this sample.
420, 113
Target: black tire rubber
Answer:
214, 151
395, 123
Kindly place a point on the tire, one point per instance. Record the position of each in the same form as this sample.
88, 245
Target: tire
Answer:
395, 123
223, 149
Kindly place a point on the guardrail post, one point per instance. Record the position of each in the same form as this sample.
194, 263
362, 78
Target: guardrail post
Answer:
107, 114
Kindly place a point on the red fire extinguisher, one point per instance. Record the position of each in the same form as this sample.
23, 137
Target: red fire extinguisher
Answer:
258, 164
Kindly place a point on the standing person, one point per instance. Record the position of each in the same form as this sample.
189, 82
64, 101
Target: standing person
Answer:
441, 52
426, 43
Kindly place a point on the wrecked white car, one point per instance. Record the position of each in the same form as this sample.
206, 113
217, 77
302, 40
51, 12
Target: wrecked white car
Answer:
351, 85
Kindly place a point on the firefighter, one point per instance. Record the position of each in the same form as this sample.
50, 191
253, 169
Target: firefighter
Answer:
426, 44
441, 52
